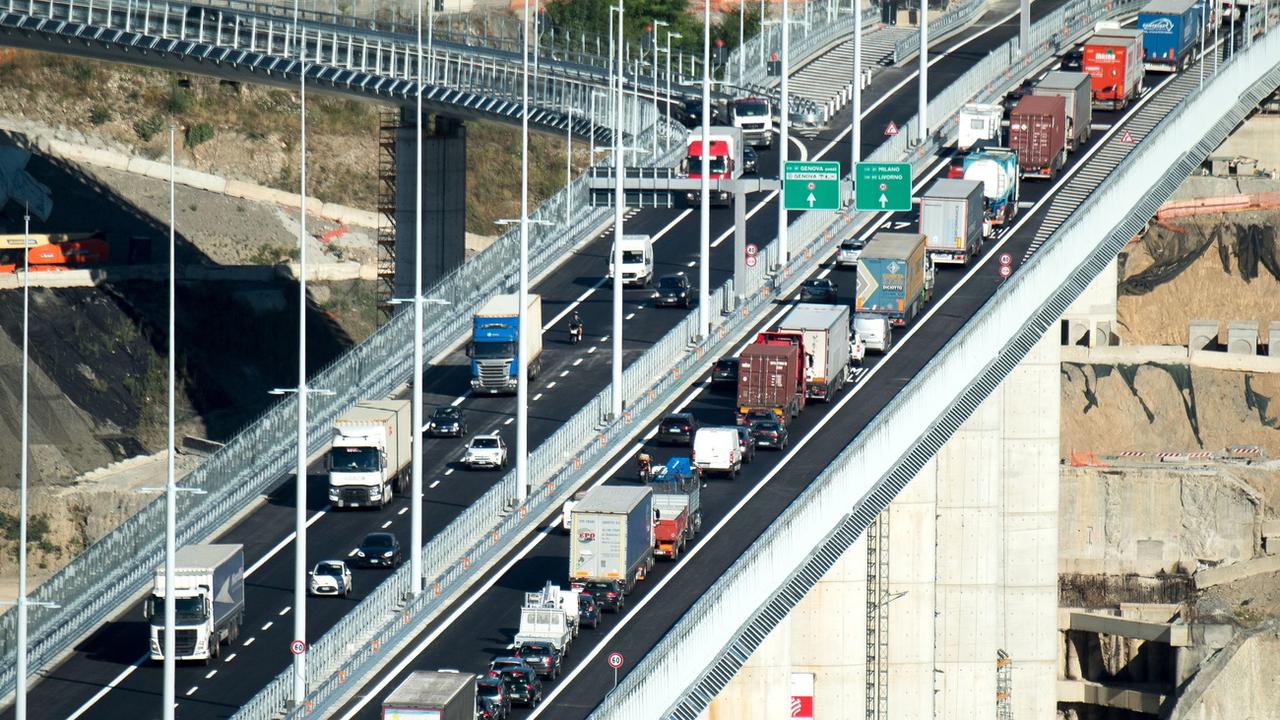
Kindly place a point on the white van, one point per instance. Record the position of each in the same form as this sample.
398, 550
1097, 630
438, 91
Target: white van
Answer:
637, 260
875, 331
717, 450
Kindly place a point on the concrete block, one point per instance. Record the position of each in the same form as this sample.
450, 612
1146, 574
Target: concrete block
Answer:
65, 278
258, 193
199, 180
1242, 337
349, 215
1077, 331
1202, 334
1273, 338
149, 168
1236, 571
88, 155
1102, 334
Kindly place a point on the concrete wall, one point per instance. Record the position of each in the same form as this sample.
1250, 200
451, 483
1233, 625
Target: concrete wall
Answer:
1240, 682
444, 169
972, 569
1256, 139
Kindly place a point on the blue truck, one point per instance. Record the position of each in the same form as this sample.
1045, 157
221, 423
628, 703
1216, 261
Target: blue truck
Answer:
895, 277
495, 336
1170, 34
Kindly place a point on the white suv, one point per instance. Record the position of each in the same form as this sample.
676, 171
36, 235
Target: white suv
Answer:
485, 451
849, 252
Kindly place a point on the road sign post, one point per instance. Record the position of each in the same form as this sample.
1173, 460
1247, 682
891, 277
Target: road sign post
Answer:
615, 662
882, 186
1006, 265
811, 185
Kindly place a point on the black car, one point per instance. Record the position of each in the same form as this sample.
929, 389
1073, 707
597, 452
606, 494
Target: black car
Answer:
725, 371
754, 416
746, 443
492, 701
689, 111
521, 684
588, 611
379, 549
542, 657
608, 594
673, 291
447, 421
1073, 61
677, 429
818, 290
749, 160
770, 434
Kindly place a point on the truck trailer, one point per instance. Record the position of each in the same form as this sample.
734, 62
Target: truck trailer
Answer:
1038, 133
432, 695
495, 341
1075, 88
895, 277
979, 123
677, 510
208, 593
612, 536
1170, 32
725, 160
1113, 59
951, 220
370, 453
997, 170
771, 377
825, 329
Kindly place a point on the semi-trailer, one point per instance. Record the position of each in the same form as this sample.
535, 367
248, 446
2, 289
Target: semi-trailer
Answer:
1113, 59
495, 342
1170, 33
951, 220
612, 536
895, 277
370, 453
208, 593
1038, 134
432, 695
825, 330
997, 170
1074, 87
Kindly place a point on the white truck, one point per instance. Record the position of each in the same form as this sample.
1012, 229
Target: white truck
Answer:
432, 695
754, 117
370, 454
979, 122
549, 615
952, 220
208, 593
612, 536
825, 329
637, 260
725, 158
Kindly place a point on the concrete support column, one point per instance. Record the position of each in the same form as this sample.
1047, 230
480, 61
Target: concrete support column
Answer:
913, 615
444, 172
1071, 666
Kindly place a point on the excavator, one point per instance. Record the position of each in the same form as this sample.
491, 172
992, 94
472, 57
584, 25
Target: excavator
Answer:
53, 251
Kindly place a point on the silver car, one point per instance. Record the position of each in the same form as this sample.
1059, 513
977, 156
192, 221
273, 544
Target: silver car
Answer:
875, 331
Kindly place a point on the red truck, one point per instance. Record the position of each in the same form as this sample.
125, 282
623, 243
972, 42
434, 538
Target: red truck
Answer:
677, 507
771, 376
1113, 59
1038, 133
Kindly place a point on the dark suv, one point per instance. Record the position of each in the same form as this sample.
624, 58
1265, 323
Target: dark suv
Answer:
520, 681
542, 657
492, 699
673, 290
746, 442
379, 549
677, 429
608, 594
725, 371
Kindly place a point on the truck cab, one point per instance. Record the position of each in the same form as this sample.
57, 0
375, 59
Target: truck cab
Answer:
724, 161
637, 260
208, 593
754, 117
495, 342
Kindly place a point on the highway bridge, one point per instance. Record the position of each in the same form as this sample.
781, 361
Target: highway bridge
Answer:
105, 678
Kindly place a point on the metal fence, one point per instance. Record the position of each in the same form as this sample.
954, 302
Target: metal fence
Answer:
807, 39
955, 17
727, 624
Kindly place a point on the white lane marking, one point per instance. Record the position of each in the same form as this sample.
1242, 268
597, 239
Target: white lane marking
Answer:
284, 612
577, 362
448, 471
432, 486
551, 384
564, 373
591, 349
193, 689
508, 421
386, 525
267, 626
229, 658
629, 316
353, 552
691, 263
457, 401
404, 510
211, 674
1099, 126
604, 339
249, 642
536, 398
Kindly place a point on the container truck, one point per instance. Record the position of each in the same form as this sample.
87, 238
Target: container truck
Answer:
1113, 59
1170, 33
771, 376
826, 346
495, 340
208, 592
979, 123
725, 159
1038, 133
895, 277
544, 617
754, 117
951, 220
997, 170
1075, 88
612, 536
432, 695
677, 510
370, 453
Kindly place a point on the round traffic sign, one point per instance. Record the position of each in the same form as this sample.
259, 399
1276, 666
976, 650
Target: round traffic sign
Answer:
752, 249
884, 186
751, 261
615, 660
297, 647
812, 185
1005, 271
1006, 259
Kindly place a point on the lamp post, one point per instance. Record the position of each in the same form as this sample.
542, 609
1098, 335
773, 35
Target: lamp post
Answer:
784, 113
704, 214
300, 497
669, 36
742, 39
922, 111
170, 487
656, 112
619, 201
522, 340
855, 136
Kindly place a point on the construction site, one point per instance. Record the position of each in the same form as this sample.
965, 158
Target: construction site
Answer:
1101, 539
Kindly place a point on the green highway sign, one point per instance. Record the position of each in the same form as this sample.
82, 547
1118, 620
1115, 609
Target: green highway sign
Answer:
882, 186
811, 185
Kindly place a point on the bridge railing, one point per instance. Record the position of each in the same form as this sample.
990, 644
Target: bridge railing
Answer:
953, 18
806, 39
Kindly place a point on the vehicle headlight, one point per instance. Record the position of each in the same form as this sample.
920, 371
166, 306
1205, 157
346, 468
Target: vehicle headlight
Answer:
333, 493
359, 553
388, 553
155, 646
375, 492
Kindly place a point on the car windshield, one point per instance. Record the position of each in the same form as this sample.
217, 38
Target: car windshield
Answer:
532, 650
446, 413
726, 364
751, 109
515, 675
485, 443
354, 459
601, 586
767, 426
867, 325
585, 602
851, 245
632, 256
816, 284
490, 691
671, 283
489, 350
379, 541
329, 569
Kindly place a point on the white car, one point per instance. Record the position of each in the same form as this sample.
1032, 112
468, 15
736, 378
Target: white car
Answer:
874, 330
849, 252
857, 349
485, 451
331, 577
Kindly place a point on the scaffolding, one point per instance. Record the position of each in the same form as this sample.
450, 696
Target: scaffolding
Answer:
1004, 686
878, 617
389, 127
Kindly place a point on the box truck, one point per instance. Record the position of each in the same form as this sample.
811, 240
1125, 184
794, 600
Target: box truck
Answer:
545, 617
370, 453
208, 592
1170, 33
895, 277
1074, 87
637, 260
612, 536
979, 123
997, 170
677, 509
951, 220
495, 341
771, 377
825, 329
1113, 59
725, 159
1038, 133
432, 695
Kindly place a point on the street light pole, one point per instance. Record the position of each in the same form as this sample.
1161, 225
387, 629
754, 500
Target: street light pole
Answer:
415, 488
784, 114
656, 111
742, 39
704, 214
619, 201
300, 498
568, 158
431, 26
922, 111
668, 136
170, 488
20, 667
522, 350
855, 136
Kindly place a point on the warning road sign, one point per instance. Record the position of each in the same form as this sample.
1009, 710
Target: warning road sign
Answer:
891, 129
1127, 137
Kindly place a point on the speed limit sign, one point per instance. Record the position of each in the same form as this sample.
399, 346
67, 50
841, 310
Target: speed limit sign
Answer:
615, 660
1006, 259
1005, 271
297, 647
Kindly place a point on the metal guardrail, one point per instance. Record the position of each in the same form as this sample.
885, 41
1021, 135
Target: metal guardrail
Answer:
806, 40
883, 458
